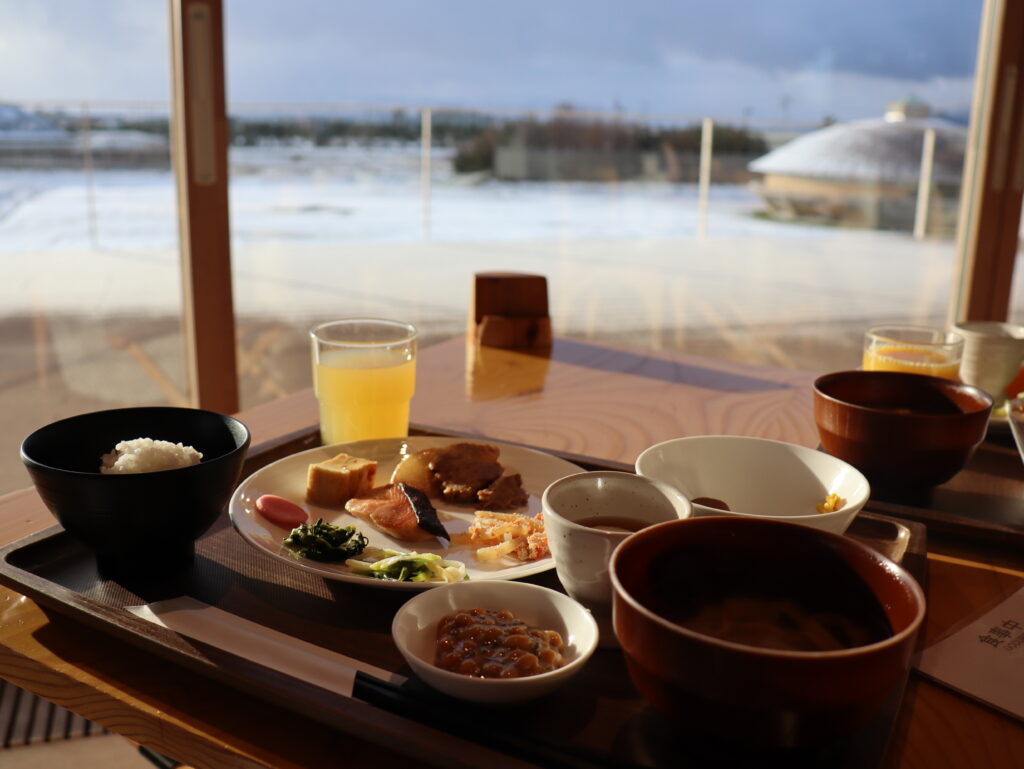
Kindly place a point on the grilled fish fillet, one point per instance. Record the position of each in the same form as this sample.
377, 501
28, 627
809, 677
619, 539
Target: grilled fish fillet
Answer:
399, 510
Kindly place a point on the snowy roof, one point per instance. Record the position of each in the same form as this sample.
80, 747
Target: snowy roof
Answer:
874, 150
25, 129
15, 118
138, 141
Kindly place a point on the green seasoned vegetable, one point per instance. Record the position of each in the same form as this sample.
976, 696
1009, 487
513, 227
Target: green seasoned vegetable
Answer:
325, 542
407, 567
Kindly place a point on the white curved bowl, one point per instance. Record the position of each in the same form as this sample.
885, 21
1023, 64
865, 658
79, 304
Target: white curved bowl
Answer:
414, 630
758, 477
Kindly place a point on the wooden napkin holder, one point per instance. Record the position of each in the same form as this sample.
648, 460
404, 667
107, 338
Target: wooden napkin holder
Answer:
508, 316
509, 310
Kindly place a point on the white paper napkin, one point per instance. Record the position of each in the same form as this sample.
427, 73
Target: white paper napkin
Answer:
249, 640
985, 659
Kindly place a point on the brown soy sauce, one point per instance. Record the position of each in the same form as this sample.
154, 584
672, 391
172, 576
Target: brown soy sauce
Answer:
758, 600
613, 523
711, 502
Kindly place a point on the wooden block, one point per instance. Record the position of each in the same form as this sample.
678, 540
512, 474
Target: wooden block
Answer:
496, 373
514, 333
517, 306
512, 294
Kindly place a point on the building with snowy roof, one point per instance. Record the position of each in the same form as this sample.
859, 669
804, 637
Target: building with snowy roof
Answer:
866, 173
20, 130
33, 140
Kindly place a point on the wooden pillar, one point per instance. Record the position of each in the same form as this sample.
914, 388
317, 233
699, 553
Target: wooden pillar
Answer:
990, 206
704, 181
924, 184
199, 147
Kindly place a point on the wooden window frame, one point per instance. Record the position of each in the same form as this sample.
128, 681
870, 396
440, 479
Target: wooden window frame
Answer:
199, 154
988, 229
987, 234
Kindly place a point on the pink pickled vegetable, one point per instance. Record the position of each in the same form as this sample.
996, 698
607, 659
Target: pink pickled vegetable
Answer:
280, 511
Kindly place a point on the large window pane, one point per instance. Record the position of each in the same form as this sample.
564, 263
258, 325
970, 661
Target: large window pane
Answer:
565, 139
88, 234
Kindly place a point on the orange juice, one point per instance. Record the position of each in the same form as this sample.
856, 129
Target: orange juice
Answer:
364, 393
914, 360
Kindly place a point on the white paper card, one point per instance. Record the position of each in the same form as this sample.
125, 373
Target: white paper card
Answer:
249, 640
985, 659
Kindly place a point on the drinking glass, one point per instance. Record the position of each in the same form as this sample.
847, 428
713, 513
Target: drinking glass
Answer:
914, 349
364, 376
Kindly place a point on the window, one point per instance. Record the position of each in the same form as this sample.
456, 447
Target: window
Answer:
381, 154
432, 143
91, 308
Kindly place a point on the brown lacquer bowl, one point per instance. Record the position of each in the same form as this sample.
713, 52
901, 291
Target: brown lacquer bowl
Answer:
900, 430
697, 600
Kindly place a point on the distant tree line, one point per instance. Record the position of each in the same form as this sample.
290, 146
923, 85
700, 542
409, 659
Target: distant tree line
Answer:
448, 129
568, 131
476, 137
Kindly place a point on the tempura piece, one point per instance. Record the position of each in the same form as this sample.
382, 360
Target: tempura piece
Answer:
832, 503
518, 536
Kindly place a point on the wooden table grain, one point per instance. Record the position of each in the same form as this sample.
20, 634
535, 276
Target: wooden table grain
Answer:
604, 402
584, 399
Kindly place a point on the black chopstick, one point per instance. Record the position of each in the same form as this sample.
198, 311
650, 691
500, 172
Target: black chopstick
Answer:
475, 724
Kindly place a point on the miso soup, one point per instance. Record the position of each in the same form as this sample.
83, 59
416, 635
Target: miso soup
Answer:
616, 524
765, 602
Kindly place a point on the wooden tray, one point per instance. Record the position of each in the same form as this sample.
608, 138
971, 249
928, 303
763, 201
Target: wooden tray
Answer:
598, 719
983, 503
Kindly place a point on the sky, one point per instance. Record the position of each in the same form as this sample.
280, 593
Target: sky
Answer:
768, 61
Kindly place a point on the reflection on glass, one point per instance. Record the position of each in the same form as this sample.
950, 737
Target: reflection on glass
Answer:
91, 294
820, 196
757, 199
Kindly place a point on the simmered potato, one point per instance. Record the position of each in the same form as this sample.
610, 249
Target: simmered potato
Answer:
415, 471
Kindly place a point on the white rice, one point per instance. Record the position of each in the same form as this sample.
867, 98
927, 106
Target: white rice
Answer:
145, 455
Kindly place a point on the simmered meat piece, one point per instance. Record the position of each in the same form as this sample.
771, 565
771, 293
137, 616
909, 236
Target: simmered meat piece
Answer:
505, 493
465, 468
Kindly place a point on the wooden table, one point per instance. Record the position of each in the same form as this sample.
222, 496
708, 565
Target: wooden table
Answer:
584, 399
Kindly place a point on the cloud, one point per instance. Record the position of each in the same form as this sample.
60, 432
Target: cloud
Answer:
64, 49
721, 56
781, 58
908, 39
734, 89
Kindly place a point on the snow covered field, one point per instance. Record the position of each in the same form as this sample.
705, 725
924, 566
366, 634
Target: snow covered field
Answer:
332, 230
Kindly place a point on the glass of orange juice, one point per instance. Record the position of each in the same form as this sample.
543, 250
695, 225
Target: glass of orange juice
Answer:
364, 376
914, 349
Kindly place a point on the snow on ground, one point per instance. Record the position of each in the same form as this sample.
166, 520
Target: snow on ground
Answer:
342, 230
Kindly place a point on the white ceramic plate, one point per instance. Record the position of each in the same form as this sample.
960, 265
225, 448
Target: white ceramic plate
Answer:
287, 478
